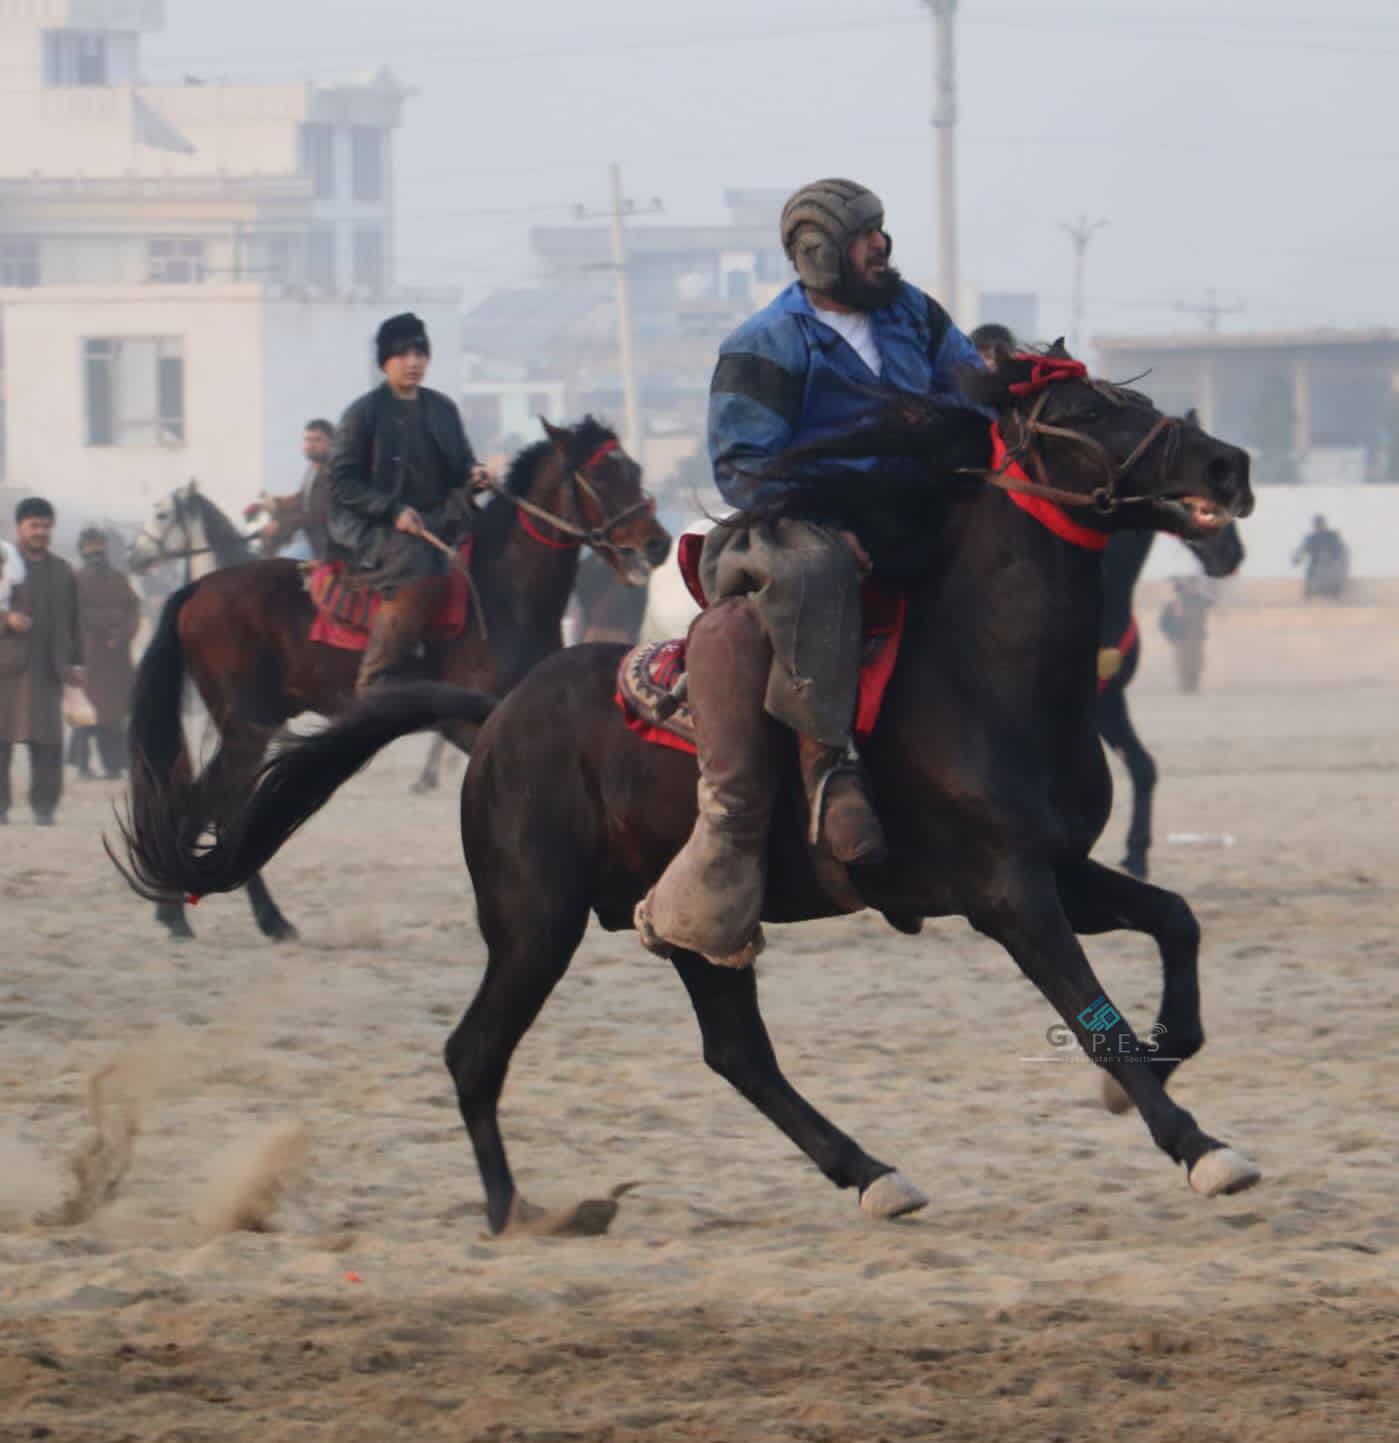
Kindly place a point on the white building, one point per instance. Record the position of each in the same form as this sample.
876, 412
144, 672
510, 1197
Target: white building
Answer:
187, 273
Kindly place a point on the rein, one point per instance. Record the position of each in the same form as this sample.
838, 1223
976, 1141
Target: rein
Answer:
574, 534
1008, 460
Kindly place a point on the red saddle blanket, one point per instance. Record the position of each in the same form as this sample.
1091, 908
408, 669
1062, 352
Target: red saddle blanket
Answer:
345, 611
649, 672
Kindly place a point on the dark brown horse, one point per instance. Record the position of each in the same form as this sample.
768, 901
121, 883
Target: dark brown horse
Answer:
242, 633
985, 765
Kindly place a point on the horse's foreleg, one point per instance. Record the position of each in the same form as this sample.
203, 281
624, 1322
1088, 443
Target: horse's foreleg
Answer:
1023, 912
738, 1048
1098, 899
1116, 729
531, 940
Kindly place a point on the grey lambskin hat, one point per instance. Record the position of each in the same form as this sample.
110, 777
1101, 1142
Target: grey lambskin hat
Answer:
818, 224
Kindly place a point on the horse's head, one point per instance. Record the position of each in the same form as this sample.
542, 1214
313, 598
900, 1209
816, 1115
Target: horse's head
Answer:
1109, 449
174, 532
615, 515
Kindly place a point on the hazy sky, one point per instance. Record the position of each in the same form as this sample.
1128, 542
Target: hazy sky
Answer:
1246, 145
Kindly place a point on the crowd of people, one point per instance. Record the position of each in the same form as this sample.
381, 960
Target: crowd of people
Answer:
65, 656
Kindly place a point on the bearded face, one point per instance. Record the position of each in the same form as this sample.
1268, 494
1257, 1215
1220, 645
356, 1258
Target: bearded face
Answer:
870, 281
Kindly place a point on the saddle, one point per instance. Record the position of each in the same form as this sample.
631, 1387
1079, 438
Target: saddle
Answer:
650, 691
346, 604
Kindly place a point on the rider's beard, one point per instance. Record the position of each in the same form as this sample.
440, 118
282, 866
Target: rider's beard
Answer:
869, 295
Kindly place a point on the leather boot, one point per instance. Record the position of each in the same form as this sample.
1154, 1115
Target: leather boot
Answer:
842, 815
710, 898
397, 631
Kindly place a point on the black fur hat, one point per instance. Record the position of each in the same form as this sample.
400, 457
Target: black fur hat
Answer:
399, 334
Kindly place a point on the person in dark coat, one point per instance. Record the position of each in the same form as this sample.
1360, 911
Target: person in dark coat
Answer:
401, 465
109, 616
40, 652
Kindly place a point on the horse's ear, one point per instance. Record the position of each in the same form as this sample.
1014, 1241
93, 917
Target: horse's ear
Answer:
1058, 348
556, 434
1192, 418
193, 488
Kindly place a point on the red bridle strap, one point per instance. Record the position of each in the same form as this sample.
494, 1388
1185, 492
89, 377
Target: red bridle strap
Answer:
1049, 514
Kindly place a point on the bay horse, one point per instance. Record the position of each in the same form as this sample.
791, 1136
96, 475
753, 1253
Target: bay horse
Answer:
1220, 555
242, 633
985, 766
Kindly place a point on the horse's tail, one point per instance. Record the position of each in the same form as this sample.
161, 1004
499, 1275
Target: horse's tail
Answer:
156, 731
179, 844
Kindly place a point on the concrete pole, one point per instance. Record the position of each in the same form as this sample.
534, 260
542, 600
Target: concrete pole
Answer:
626, 349
945, 130
1080, 234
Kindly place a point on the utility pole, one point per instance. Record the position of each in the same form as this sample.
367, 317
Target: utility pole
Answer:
1080, 234
1210, 310
617, 211
945, 129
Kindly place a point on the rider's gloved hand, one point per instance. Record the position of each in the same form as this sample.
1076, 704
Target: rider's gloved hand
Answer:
408, 520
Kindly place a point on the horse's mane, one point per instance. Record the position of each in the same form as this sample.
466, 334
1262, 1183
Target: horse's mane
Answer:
583, 440
224, 536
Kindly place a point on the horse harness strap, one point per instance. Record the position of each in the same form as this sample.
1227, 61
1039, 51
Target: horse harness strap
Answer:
1105, 499
596, 537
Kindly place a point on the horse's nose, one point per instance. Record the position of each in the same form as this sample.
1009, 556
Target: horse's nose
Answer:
1227, 475
658, 549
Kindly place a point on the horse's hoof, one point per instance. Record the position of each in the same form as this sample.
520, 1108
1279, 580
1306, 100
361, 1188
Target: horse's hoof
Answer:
1223, 1171
891, 1196
280, 930
590, 1218
180, 931
423, 785
1115, 1097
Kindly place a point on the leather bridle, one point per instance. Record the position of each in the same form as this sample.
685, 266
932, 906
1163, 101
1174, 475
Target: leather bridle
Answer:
1024, 451
583, 490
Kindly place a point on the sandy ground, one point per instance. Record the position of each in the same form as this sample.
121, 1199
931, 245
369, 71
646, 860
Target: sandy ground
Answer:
1064, 1284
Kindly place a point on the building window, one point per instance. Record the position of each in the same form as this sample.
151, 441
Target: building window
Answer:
174, 261
320, 258
76, 57
318, 159
135, 391
367, 164
19, 263
369, 259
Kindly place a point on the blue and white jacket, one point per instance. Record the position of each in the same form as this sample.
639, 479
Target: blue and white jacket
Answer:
785, 378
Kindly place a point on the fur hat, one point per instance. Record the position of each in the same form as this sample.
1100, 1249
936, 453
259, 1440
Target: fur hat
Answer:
33, 507
399, 334
818, 224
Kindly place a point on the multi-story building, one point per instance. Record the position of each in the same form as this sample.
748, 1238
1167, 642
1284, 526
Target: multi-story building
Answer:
187, 272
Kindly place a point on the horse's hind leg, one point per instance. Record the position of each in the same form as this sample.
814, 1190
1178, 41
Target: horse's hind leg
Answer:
430, 776
738, 1048
1116, 729
1098, 899
531, 942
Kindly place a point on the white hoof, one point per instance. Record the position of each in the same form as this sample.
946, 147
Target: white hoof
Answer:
1223, 1171
891, 1196
1115, 1097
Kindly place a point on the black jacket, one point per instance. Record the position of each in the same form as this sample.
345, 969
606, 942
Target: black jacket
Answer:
366, 478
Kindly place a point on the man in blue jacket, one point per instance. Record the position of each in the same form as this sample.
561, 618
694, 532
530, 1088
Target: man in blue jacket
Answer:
823, 356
